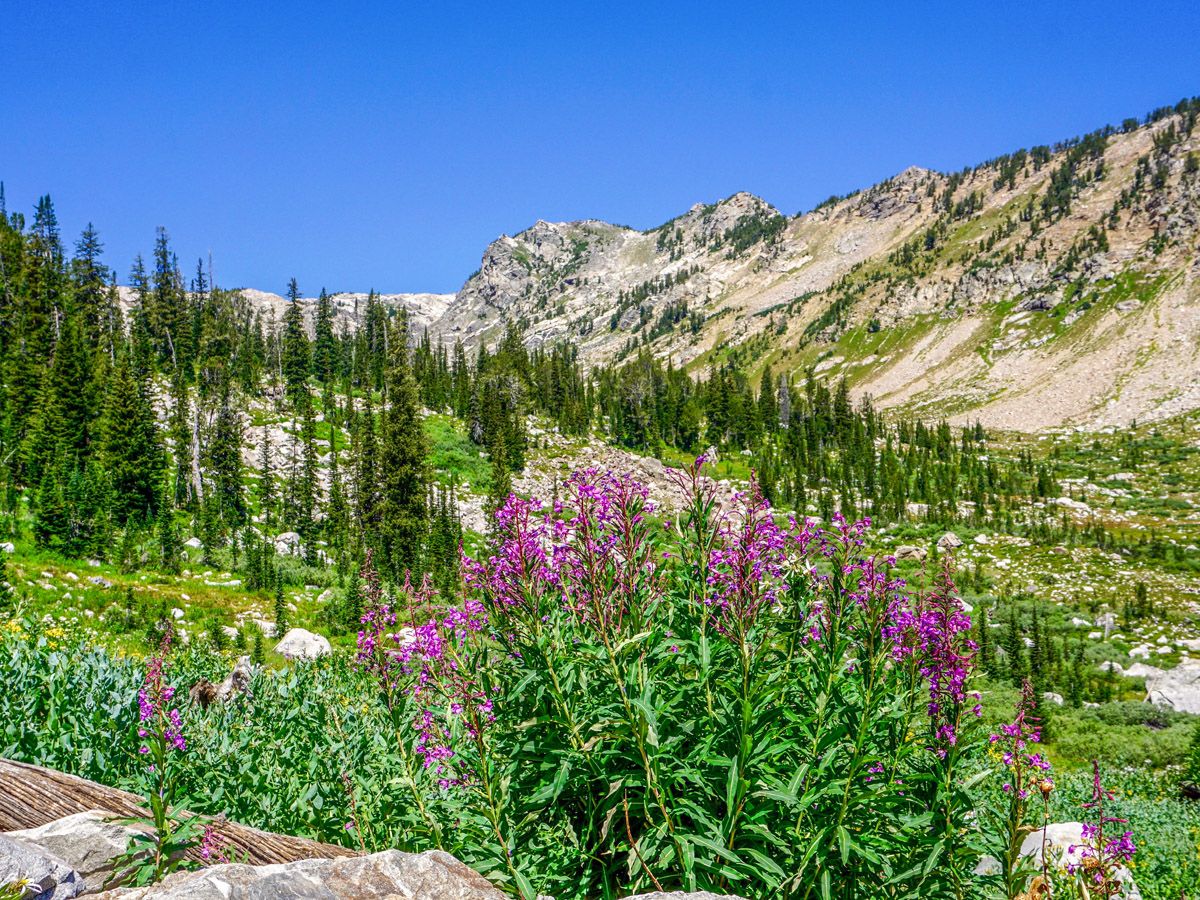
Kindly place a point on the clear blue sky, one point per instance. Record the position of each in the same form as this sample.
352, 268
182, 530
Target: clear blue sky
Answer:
359, 145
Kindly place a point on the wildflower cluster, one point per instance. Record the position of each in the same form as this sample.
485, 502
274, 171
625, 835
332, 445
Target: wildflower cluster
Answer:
747, 568
214, 847
947, 653
1099, 861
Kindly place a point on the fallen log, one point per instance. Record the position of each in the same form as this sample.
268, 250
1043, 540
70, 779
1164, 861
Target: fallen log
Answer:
31, 796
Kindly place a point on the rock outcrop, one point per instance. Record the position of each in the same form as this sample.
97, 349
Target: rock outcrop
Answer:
44, 875
432, 875
88, 843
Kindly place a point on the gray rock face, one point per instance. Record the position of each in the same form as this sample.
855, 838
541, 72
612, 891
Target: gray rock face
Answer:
86, 842
301, 644
432, 875
46, 876
1178, 688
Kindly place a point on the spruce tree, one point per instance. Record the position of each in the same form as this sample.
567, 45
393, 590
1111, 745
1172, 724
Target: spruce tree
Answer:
324, 354
266, 478
295, 356
224, 463
258, 654
129, 447
282, 620
402, 469
181, 439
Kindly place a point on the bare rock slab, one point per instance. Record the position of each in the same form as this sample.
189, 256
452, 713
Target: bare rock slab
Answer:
432, 875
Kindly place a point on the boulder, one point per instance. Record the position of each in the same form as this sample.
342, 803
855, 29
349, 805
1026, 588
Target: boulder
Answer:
949, 541
88, 842
100, 581
432, 875
301, 644
46, 876
907, 551
193, 543
1178, 688
8, 547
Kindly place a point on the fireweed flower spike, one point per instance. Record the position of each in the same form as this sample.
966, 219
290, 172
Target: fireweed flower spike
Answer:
157, 719
1098, 863
747, 568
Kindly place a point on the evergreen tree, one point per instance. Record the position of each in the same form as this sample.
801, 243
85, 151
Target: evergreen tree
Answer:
324, 355
266, 478
1014, 650
282, 619
129, 447
258, 655
295, 356
7, 595
224, 463
402, 468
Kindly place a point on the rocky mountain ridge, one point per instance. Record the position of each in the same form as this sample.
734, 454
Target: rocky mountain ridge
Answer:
1049, 287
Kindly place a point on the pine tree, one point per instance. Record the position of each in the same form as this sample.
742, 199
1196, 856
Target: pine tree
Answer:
1014, 649
282, 619
352, 605
768, 402
500, 488
224, 463
309, 485
129, 447
402, 469
324, 344
258, 655
267, 497
295, 357
181, 439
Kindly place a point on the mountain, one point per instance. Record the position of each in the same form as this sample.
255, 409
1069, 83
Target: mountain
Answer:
1053, 286
1048, 287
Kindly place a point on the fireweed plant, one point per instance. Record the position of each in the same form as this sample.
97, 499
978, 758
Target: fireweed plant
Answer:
158, 849
723, 701
1026, 785
1096, 869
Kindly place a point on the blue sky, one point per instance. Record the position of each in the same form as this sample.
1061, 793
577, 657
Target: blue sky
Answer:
360, 145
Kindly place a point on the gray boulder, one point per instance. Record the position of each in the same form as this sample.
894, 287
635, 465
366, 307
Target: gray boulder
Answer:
46, 877
87, 842
908, 551
949, 541
301, 644
432, 875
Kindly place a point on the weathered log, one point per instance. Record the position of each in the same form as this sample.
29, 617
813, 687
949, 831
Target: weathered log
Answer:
31, 796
